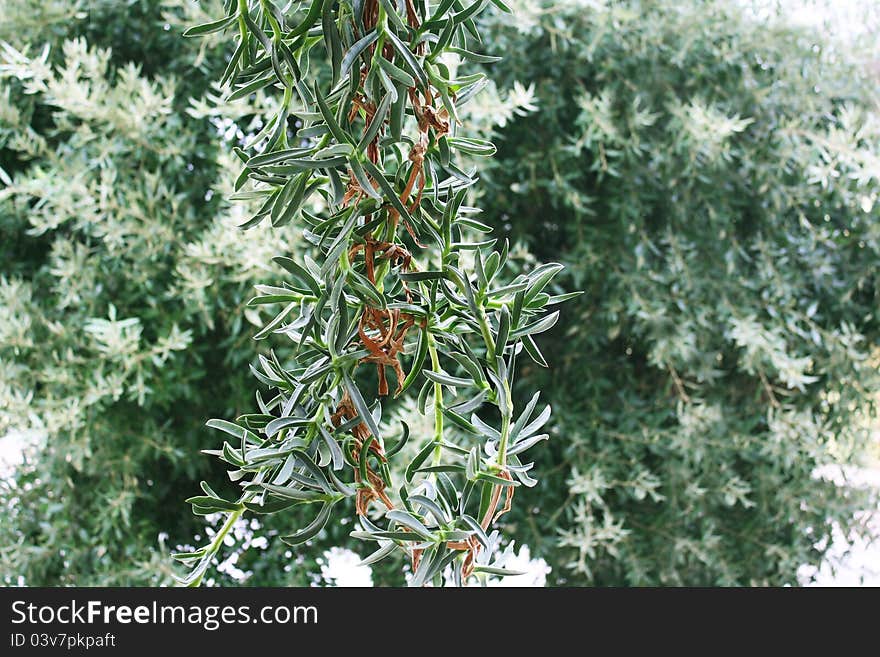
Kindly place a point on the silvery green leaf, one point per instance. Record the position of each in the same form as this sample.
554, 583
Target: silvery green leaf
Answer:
478, 530
416, 463
471, 404
399, 445
280, 423
295, 493
535, 424
361, 406
539, 326
409, 521
484, 428
379, 554
493, 570
312, 529
431, 506
473, 464
354, 52
534, 352
446, 379
411, 62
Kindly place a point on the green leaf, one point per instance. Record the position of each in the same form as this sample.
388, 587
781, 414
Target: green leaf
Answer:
409, 521
276, 321
213, 504
364, 458
302, 274
493, 570
476, 58
282, 155
471, 404
338, 133
359, 46
416, 463
341, 486
434, 20
560, 298
532, 350
332, 41
312, 529
361, 176
447, 380
388, 190
311, 18
416, 276
524, 444
233, 430
361, 406
469, 12
314, 470
398, 114
379, 554
452, 467
396, 73
461, 422
410, 60
376, 123
295, 493
503, 329
362, 286
502, 6
477, 529
273, 505
274, 298
400, 443
431, 506
209, 28
251, 87
286, 206
418, 361
426, 566
407, 537
257, 31
543, 324
540, 277
472, 468
280, 423
479, 147
484, 428
189, 556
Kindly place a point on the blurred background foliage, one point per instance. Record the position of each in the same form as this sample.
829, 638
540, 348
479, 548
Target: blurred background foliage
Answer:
710, 179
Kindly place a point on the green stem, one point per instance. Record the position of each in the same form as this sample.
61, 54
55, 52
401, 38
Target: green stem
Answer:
438, 401
317, 418
487, 335
505, 427
276, 28
214, 547
242, 28
285, 104
344, 262
381, 272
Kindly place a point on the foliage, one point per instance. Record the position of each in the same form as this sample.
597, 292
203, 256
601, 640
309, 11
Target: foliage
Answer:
375, 134
712, 184
710, 181
121, 288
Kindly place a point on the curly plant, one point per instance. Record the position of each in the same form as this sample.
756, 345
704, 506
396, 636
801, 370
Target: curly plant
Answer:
363, 152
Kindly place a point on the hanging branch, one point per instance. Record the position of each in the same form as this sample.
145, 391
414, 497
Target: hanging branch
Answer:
400, 285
